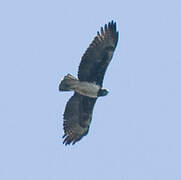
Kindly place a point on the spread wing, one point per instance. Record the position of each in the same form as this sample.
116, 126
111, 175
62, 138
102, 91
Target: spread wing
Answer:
98, 55
77, 117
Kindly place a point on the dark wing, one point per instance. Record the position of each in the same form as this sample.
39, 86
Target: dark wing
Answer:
77, 117
99, 54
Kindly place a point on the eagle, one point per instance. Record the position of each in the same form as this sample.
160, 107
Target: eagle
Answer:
88, 86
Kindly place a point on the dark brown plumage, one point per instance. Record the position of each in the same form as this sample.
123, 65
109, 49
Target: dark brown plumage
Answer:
98, 55
79, 108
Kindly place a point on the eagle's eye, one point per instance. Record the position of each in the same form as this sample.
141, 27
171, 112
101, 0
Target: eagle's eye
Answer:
103, 92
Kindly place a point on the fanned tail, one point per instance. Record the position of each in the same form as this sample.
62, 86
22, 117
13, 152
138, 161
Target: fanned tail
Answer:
68, 83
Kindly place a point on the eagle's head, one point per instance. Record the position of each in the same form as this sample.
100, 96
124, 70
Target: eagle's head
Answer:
102, 92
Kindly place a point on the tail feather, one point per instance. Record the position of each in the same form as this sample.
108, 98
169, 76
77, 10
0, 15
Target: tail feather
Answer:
68, 83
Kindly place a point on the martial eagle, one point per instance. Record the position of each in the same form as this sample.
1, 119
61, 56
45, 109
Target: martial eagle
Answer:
88, 86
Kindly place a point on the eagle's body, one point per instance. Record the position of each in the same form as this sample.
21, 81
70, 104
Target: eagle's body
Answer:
70, 83
88, 87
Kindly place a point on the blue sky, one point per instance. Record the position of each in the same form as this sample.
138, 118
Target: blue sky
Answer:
135, 131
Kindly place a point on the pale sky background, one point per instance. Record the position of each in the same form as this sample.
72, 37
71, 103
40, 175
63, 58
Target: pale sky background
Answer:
135, 133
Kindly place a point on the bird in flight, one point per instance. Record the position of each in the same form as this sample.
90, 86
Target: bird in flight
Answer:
88, 86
